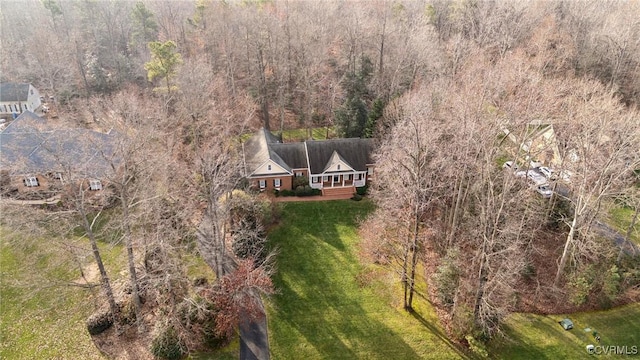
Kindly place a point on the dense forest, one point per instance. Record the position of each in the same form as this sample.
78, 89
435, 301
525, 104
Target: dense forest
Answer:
444, 88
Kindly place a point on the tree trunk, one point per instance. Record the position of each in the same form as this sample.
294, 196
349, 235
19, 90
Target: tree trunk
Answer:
414, 257
565, 252
104, 277
405, 279
482, 279
130, 257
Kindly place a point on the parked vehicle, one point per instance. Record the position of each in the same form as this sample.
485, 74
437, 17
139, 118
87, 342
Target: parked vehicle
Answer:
533, 176
510, 165
544, 190
548, 173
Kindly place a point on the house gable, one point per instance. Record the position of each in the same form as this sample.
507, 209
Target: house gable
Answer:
268, 168
336, 164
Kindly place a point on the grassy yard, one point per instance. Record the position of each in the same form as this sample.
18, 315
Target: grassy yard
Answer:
41, 316
329, 306
541, 337
620, 218
319, 133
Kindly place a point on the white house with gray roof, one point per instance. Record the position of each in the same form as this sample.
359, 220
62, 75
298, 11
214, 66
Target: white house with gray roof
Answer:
18, 98
334, 166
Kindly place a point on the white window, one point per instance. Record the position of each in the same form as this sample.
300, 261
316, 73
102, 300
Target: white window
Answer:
347, 177
338, 166
325, 178
276, 183
315, 179
31, 181
95, 185
26, 107
269, 167
263, 184
370, 171
356, 176
299, 174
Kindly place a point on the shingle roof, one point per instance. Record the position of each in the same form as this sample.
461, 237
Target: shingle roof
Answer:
356, 152
258, 150
264, 146
14, 92
27, 145
293, 154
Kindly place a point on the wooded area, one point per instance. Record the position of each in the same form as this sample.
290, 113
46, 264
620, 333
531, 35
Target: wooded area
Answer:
436, 83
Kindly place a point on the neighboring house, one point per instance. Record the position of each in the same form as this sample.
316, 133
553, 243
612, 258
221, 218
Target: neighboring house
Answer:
538, 142
33, 154
18, 98
335, 166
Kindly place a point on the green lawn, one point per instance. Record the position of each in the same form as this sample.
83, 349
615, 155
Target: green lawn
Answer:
329, 306
319, 133
541, 337
40, 316
620, 218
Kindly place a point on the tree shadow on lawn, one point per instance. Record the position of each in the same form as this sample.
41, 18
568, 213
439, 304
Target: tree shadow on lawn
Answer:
439, 334
562, 344
319, 300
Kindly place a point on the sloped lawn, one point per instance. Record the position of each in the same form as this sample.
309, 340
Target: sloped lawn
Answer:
329, 306
541, 337
40, 316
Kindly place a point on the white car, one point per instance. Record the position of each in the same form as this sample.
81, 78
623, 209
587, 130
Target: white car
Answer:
544, 190
548, 173
535, 177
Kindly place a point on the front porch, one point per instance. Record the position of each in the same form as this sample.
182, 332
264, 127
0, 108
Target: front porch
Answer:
336, 181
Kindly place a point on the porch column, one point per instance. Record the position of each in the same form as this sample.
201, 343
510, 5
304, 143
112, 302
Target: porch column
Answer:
342, 180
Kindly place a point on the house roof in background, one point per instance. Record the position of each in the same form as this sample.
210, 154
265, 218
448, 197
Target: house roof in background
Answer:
14, 92
28, 145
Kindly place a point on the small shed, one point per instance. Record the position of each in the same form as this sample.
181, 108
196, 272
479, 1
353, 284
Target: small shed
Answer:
566, 324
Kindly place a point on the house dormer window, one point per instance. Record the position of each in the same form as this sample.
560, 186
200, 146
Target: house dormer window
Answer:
31, 181
95, 185
338, 166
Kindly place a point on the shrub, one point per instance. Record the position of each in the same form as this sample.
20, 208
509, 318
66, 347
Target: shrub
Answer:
127, 311
306, 191
300, 181
446, 278
611, 286
477, 347
167, 345
581, 287
362, 190
528, 272
98, 322
287, 193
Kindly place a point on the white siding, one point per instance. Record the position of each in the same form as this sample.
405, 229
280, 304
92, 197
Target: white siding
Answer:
264, 169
